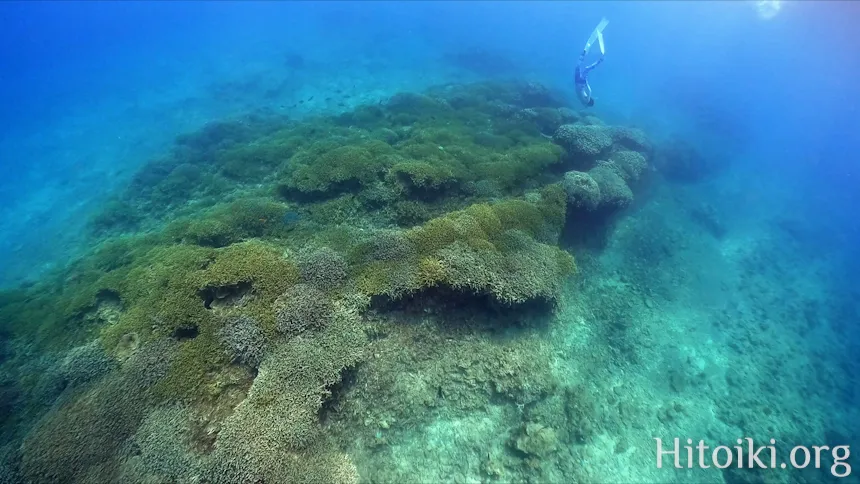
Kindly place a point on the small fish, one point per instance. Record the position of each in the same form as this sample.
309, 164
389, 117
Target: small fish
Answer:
311, 98
302, 101
327, 99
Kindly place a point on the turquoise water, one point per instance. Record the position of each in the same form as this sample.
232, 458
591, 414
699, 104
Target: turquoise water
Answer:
153, 149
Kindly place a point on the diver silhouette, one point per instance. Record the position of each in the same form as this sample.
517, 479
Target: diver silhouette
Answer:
583, 89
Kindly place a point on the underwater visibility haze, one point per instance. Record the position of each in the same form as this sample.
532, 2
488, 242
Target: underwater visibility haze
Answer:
423, 242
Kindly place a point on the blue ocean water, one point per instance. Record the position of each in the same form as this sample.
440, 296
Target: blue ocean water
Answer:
747, 322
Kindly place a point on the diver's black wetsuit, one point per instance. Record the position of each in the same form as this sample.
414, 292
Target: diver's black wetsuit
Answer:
583, 90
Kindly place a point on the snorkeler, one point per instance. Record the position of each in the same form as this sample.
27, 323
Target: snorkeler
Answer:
583, 90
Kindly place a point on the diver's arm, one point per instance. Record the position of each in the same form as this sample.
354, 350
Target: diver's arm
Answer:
588, 68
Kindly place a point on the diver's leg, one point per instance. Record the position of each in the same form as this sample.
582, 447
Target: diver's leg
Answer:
588, 68
596, 35
600, 43
581, 70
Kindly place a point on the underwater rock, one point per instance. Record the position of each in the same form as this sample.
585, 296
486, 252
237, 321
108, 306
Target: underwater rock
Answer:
582, 191
537, 440
708, 218
126, 345
221, 296
680, 161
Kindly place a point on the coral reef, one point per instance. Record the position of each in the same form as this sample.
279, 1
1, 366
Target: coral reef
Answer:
582, 191
614, 191
453, 368
631, 163
302, 307
77, 442
244, 340
228, 223
85, 363
159, 450
324, 170
390, 246
607, 162
274, 434
537, 440
70, 370
267, 256
9, 459
322, 268
633, 139
583, 141
9, 394
473, 251
603, 187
